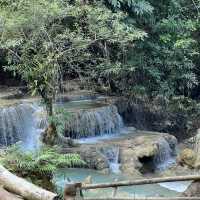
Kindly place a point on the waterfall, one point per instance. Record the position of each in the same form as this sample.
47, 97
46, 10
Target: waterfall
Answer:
94, 122
165, 156
17, 123
112, 155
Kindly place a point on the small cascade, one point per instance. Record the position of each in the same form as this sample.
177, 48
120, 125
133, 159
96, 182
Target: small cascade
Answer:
112, 154
17, 123
94, 122
165, 156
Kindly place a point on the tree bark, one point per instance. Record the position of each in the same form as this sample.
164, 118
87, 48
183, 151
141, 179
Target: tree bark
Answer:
22, 187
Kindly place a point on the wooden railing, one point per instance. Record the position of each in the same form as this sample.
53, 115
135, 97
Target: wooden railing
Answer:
75, 191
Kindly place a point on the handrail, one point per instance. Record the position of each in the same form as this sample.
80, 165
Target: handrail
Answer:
142, 182
75, 190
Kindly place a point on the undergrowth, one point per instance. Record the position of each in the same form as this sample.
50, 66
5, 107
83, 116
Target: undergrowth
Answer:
38, 166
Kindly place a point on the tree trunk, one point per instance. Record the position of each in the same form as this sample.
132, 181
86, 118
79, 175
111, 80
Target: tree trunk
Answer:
49, 106
23, 188
50, 135
5, 195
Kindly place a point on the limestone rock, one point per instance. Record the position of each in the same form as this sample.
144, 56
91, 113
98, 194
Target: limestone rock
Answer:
136, 151
93, 157
177, 170
130, 170
187, 157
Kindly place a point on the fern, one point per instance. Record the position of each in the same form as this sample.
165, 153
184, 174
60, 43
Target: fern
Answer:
44, 161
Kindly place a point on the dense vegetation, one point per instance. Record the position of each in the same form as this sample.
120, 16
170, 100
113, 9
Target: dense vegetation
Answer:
38, 166
135, 48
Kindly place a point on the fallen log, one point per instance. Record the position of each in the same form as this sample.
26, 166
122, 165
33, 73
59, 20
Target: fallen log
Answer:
23, 188
5, 195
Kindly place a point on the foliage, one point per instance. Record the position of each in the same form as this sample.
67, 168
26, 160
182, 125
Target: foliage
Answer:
166, 62
139, 7
43, 162
59, 119
148, 44
63, 39
132, 47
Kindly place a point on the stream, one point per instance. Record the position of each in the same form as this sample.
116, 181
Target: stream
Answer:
94, 120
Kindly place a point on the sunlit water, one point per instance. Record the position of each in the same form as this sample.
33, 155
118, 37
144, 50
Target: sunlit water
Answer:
176, 186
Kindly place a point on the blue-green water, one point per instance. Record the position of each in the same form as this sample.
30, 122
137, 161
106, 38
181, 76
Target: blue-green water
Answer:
79, 175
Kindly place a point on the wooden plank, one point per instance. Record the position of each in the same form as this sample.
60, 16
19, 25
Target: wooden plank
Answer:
142, 182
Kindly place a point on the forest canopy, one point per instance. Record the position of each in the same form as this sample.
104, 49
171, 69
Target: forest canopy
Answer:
137, 44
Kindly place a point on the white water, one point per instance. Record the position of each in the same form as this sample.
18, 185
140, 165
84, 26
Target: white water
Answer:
165, 157
19, 123
94, 122
114, 162
112, 155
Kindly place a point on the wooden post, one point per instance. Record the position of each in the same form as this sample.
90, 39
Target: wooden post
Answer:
71, 191
114, 194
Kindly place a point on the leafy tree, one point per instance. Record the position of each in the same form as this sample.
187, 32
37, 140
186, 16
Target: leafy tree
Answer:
70, 37
166, 61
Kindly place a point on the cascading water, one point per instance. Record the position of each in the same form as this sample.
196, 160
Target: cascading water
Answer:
165, 156
18, 123
94, 122
112, 155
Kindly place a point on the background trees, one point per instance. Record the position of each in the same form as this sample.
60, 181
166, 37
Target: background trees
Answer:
131, 47
166, 61
46, 40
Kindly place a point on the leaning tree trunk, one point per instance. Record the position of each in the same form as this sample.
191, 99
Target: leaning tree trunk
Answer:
5, 195
22, 187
